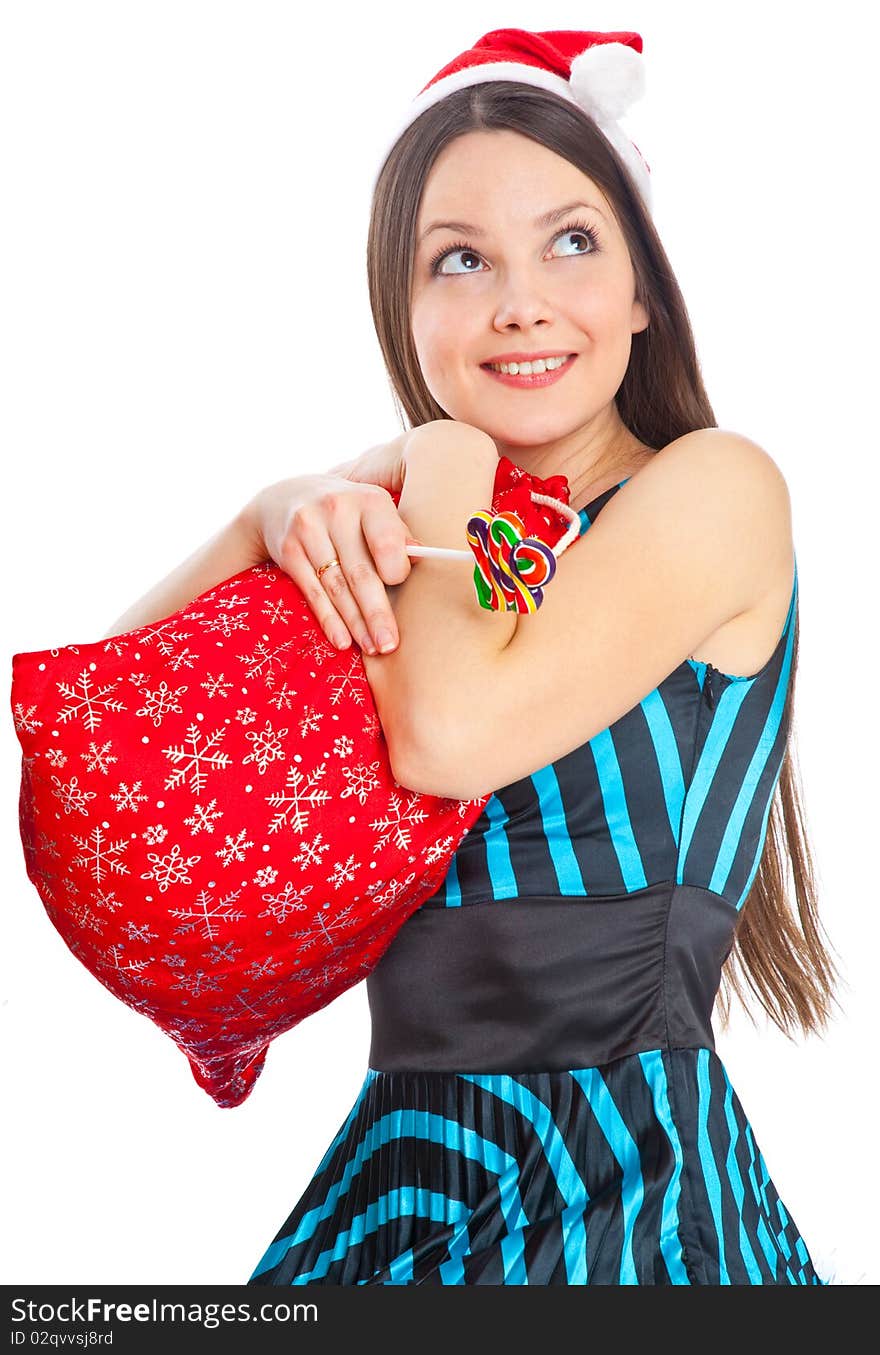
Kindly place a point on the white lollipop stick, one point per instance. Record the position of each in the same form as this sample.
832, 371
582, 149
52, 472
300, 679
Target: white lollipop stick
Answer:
444, 553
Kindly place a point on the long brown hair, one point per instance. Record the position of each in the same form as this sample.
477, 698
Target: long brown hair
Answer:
778, 954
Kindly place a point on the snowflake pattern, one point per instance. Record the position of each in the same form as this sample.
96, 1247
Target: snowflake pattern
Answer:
215, 685
196, 759
300, 790
99, 856
170, 869
128, 797
99, 759
203, 817
161, 701
305, 852
73, 800
233, 849
24, 720
87, 702
267, 747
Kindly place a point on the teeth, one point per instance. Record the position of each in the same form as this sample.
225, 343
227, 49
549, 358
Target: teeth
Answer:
528, 368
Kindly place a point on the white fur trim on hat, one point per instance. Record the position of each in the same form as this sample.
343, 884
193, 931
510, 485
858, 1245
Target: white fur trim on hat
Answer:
607, 79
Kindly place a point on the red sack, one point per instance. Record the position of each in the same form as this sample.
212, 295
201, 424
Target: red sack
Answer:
209, 816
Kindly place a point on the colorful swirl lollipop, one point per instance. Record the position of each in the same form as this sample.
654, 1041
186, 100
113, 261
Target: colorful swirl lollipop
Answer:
512, 569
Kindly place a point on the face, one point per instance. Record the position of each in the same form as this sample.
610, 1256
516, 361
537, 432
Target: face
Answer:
507, 285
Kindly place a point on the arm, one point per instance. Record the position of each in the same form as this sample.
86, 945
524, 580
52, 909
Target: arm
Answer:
699, 536
241, 544
235, 547
447, 640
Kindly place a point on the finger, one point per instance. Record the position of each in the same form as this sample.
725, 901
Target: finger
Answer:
385, 537
308, 547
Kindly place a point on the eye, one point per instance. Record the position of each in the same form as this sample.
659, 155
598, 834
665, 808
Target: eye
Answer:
580, 229
574, 230
460, 247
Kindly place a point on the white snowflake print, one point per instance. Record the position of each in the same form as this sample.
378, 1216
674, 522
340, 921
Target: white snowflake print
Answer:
202, 818
214, 685
387, 895
83, 916
267, 746
310, 722
261, 969
246, 716
322, 979
73, 800
266, 875
284, 697
86, 702
236, 600
343, 873
114, 957
171, 869
128, 797
289, 900
157, 832
166, 635
115, 645
361, 780
55, 757
196, 759
159, 702
226, 954
207, 914
185, 659
309, 853
100, 856
198, 983
106, 898
343, 746
99, 759
324, 927
438, 850
226, 623
24, 719
234, 848
277, 612
348, 687
140, 932
265, 662
300, 790
393, 826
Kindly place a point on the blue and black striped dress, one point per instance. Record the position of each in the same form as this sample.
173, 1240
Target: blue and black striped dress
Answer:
543, 1103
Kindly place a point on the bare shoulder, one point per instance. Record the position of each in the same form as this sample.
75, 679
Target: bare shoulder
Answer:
704, 466
738, 490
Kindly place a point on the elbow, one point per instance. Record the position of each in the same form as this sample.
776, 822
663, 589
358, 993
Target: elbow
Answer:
420, 770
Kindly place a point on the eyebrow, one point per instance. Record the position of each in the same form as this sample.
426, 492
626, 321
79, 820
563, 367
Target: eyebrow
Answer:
547, 219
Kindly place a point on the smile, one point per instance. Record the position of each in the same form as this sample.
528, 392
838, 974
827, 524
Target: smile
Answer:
533, 378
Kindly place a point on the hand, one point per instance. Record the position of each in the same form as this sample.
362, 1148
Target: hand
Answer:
309, 520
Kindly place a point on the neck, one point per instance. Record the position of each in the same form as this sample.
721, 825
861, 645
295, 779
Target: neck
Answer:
592, 458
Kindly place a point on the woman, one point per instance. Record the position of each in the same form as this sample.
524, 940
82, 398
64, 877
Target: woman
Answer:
543, 1102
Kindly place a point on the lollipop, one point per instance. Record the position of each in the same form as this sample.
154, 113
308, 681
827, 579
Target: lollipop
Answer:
517, 542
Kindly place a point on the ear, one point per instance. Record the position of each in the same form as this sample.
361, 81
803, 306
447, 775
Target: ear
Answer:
640, 317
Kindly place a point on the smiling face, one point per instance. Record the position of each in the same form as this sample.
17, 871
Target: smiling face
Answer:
509, 282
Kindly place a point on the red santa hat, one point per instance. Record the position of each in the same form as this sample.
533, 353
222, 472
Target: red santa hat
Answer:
603, 73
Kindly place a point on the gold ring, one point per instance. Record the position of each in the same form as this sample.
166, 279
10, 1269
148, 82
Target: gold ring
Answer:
327, 566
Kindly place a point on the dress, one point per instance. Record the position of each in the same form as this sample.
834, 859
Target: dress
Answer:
543, 1103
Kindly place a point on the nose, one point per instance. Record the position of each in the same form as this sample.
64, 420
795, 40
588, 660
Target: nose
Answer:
520, 303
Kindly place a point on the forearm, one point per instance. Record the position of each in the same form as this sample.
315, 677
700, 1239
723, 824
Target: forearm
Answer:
448, 642
235, 547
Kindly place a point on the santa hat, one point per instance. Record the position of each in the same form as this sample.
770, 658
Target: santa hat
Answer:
603, 73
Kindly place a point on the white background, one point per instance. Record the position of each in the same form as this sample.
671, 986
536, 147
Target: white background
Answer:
185, 318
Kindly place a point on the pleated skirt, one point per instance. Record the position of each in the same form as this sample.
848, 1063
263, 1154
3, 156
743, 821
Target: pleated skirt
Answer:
644, 1170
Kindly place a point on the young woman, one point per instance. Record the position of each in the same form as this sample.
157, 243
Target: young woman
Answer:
543, 1102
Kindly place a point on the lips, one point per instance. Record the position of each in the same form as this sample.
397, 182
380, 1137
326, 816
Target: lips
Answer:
536, 380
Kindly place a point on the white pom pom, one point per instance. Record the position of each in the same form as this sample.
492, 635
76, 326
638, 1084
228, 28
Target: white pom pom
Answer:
607, 79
